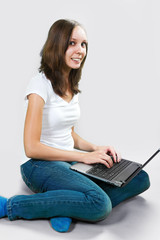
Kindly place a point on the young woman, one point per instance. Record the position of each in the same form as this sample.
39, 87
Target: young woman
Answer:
50, 140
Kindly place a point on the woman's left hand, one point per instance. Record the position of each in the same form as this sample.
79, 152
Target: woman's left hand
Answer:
110, 151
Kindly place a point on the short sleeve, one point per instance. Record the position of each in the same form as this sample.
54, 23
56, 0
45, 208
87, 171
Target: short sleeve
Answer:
37, 85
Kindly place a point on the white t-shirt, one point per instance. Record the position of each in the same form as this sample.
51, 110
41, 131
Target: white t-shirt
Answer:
59, 116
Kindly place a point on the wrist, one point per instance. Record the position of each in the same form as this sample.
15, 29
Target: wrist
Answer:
94, 147
81, 157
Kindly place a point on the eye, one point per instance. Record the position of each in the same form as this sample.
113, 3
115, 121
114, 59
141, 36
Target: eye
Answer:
84, 44
72, 43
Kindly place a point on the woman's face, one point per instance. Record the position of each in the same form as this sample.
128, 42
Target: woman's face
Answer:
76, 50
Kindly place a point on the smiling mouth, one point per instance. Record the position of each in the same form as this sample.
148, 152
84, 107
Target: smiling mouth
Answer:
78, 60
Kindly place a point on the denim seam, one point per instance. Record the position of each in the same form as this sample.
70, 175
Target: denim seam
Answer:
97, 196
10, 216
9, 208
28, 183
35, 164
24, 176
80, 180
59, 171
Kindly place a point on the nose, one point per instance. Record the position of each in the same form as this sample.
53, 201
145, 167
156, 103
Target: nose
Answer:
80, 49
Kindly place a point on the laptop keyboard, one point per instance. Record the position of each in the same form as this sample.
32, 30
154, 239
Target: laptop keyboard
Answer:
100, 170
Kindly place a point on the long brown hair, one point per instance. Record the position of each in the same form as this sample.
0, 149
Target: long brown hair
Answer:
53, 57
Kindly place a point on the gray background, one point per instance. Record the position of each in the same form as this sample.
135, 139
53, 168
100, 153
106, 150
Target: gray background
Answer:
119, 100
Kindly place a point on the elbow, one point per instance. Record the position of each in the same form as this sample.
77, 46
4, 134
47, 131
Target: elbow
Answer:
30, 150
29, 154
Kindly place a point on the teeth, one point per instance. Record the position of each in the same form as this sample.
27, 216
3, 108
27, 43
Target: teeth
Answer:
76, 59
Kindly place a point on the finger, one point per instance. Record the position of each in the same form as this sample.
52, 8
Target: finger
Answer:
109, 160
113, 153
105, 163
118, 157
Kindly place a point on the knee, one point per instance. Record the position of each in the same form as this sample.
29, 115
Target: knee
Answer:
141, 182
144, 180
105, 207
102, 206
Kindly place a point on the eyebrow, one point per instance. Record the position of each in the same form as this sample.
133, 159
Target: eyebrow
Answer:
82, 41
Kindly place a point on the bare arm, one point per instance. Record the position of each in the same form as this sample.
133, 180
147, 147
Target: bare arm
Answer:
81, 144
32, 132
37, 150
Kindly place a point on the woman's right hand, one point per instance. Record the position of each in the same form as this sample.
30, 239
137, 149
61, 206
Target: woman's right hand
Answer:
98, 156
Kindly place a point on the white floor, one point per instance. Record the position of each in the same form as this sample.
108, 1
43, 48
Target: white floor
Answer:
138, 218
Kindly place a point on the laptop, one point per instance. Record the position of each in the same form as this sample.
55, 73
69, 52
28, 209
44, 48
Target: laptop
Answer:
120, 174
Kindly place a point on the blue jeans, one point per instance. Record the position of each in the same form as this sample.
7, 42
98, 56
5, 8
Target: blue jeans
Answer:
59, 191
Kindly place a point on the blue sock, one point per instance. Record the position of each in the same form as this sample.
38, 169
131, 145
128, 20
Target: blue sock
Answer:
3, 207
61, 224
